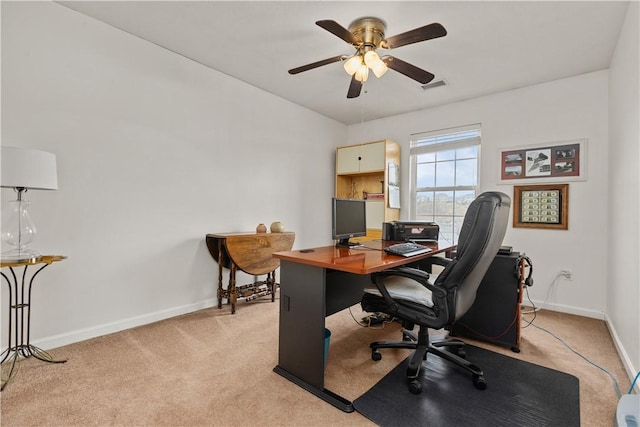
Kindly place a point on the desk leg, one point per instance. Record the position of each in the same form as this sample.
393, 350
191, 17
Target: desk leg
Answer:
273, 284
301, 334
233, 293
19, 302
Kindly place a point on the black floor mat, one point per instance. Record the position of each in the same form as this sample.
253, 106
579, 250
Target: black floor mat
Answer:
518, 394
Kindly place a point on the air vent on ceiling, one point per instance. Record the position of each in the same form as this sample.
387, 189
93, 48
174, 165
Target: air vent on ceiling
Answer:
434, 85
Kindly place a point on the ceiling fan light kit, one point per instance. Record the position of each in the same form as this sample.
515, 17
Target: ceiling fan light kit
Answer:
352, 64
360, 65
366, 35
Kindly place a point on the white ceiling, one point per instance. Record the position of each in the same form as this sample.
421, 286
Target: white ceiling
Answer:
490, 46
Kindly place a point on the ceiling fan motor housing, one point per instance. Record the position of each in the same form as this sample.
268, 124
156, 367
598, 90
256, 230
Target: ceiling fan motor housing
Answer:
369, 30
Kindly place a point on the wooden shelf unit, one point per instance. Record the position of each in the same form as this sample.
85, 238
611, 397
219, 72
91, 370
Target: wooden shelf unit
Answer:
364, 169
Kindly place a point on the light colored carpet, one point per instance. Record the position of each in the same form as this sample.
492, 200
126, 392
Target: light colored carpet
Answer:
211, 368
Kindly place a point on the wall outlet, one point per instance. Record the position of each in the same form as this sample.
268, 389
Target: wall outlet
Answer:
566, 273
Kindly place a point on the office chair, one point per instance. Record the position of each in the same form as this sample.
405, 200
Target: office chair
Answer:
408, 294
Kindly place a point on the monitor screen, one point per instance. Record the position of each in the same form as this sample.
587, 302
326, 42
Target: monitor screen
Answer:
349, 220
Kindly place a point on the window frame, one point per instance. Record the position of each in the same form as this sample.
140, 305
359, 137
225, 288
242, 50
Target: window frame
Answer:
416, 149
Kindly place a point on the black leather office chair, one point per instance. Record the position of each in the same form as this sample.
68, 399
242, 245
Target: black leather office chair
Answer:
407, 293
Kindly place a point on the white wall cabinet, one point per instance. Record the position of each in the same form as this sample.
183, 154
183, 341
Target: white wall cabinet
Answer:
361, 158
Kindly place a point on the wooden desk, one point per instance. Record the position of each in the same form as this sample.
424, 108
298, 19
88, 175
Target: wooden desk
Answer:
251, 253
314, 285
20, 307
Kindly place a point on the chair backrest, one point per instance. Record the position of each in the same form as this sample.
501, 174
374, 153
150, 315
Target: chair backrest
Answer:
483, 230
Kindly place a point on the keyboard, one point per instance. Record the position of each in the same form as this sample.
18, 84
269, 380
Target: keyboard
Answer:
407, 249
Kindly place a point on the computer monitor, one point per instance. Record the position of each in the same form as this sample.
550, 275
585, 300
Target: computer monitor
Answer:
349, 220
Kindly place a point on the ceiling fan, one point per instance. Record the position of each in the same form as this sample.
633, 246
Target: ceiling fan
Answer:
367, 35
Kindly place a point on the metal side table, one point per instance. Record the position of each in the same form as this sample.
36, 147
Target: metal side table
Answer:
20, 314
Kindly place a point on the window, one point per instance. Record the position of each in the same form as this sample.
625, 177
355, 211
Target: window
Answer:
444, 177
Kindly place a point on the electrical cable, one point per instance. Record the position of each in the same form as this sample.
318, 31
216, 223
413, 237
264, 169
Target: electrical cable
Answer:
634, 383
530, 323
546, 298
534, 310
615, 382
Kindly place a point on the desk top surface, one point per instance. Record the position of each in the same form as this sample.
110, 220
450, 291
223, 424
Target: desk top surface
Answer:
365, 259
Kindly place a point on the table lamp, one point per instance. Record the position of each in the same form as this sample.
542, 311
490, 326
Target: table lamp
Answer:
23, 169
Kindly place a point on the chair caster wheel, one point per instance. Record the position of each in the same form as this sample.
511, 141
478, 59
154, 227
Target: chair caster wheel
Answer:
415, 387
375, 355
479, 382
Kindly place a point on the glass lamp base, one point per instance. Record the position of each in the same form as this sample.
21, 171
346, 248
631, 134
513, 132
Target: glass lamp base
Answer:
17, 255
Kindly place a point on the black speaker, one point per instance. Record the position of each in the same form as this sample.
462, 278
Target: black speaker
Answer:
495, 314
387, 231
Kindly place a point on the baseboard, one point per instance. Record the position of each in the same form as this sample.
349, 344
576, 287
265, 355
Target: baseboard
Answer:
121, 325
626, 360
594, 314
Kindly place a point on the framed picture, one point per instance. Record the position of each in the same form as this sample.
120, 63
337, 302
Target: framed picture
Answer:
541, 206
559, 161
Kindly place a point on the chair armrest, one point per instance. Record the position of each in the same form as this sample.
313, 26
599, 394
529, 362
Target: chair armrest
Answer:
440, 310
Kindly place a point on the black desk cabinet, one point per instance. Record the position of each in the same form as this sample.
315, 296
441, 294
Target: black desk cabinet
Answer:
495, 315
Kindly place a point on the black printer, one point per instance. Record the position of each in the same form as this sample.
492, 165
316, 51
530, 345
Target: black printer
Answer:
416, 231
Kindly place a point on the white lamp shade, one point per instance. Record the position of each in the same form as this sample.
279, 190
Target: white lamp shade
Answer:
362, 74
376, 64
379, 68
371, 57
353, 64
28, 168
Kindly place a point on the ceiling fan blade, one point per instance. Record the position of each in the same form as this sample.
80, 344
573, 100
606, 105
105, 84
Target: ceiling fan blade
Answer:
338, 30
354, 88
316, 64
411, 71
431, 31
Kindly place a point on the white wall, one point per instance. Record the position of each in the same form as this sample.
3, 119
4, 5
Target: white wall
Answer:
556, 111
623, 280
154, 151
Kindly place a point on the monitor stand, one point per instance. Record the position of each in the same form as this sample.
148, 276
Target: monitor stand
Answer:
345, 243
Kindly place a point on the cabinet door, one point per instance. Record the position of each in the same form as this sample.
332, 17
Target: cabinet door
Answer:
348, 160
373, 156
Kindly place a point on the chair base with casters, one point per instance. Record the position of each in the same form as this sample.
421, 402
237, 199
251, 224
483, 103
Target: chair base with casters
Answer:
451, 350
416, 297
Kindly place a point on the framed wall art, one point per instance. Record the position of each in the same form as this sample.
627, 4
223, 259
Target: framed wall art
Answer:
559, 161
541, 206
